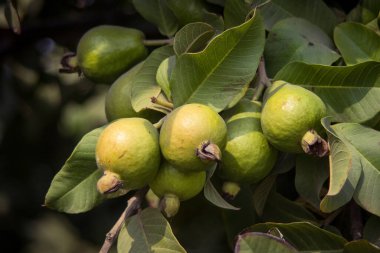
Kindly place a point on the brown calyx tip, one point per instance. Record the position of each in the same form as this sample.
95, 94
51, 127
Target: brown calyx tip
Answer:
109, 183
69, 63
313, 144
209, 151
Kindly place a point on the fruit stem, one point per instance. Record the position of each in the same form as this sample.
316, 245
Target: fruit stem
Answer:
169, 204
158, 42
230, 189
313, 144
69, 63
264, 81
208, 151
158, 124
155, 100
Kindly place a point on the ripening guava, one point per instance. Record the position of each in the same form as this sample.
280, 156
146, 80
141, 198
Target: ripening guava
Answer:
105, 52
191, 137
173, 186
128, 152
248, 157
289, 112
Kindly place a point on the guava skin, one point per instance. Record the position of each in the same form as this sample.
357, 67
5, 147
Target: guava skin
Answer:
118, 99
248, 157
185, 129
105, 52
170, 181
129, 148
288, 114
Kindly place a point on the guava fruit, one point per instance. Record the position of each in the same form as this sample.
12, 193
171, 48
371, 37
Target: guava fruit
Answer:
247, 157
173, 186
118, 99
128, 152
191, 137
291, 119
105, 52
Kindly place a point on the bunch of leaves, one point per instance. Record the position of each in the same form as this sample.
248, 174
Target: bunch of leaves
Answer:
213, 60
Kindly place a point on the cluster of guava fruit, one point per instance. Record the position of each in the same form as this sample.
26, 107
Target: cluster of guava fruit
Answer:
173, 158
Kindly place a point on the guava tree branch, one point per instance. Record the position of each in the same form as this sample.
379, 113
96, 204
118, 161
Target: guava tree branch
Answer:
263, 80
133, 204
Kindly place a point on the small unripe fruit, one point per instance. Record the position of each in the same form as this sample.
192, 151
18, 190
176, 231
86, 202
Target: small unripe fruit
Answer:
128, 152
191, 137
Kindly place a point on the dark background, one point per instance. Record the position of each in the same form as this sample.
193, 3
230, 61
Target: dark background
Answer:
43, 114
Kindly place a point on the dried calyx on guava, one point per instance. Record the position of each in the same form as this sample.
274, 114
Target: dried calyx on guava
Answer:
128, 152
118, 99
192, 136
105, 52
291, 119
247, 157
173, 186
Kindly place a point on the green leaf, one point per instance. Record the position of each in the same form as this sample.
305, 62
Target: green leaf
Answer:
296, 39
192, 38
281, 209
371, 7
73, 189
364, 142
360, 246
351, 93
212, 195
357, 43
254, 242
217, 74
261, 193
12, 17
311, 173
164, 73
148, 231
315, 11
145, 85
371, 230
191, 11
304, 236
235, 12
217, 2
158, 13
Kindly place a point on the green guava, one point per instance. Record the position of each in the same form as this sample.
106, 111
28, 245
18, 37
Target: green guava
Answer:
118, 99
289, 113
128, 152
191, 137
248, 157
105, 52
173, 186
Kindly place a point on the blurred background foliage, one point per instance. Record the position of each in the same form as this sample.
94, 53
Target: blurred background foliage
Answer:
43, 114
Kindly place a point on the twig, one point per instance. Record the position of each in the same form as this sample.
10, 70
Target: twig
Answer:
133, 204
158, 42
263, 81
356, 221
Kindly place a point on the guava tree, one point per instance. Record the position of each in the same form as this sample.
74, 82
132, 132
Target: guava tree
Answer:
272, 108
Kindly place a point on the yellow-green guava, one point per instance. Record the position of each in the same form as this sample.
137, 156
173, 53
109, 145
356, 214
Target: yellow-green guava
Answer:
173, 186
191, 137
290, 112
128, 152
248, 157
105, 52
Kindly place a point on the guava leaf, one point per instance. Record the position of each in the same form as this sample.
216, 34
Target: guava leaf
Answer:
311, 173
371, 231
148, 231
315, 11
296, 39
212, 195
145, 85
357, 43
360, 246
304, 236
372, 7
217, 74
12, 17
254, 242
191, 11
261, 193
158, 13
217, 2
235, 12
351, 93
192, 38
163, 75
73, 189
364, 143
280, 209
